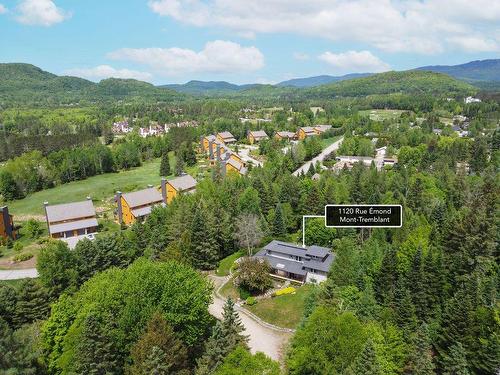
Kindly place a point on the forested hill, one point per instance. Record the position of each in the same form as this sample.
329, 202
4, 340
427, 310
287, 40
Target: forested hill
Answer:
481, 73
25, 84
407, 82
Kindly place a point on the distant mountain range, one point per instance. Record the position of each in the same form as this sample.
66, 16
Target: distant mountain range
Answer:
484, 74
25, 84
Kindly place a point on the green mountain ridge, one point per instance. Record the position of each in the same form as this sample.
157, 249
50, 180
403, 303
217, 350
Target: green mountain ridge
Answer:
26, 84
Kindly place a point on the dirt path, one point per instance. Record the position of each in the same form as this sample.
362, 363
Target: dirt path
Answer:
261, 338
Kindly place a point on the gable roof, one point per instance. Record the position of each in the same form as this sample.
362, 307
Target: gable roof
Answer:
227, 136
322, 128
70, 211
285, 134
181, 183
143, 197
258, 134
307, 129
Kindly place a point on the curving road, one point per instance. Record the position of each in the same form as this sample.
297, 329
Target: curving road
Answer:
261, 338
305, 167
28, 273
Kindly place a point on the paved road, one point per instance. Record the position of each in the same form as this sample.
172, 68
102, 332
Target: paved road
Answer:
244, 152
261, 339
28, 273
305, 167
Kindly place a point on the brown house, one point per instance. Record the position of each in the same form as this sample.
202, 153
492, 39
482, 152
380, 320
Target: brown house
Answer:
71, 219
256, 136
306, 131
284, 135
180, 185
6, 224
226, 137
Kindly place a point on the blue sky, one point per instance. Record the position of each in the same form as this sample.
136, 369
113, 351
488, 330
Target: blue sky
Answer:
241, 41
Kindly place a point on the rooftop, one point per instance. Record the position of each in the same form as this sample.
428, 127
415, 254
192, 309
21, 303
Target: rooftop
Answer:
143, 197
259, 133
70, 211
181, 183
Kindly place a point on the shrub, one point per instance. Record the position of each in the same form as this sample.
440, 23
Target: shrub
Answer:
22, 257
281, 292
18, 246
244, 294
250, 301
253, 275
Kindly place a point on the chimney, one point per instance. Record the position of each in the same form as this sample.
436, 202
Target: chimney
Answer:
45, 204
164, 189
118, 200
202, 146
218, 152
211, 150
6, 221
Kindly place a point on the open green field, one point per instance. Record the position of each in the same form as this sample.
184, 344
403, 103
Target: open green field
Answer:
101, 188
382, 114
226, 263
283, 311
328, 141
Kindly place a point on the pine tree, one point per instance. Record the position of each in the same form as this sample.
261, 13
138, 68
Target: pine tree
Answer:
416, 286
366, 363
32, 303
179, 165
226, 336
158, 350
455, 363
279, 225
420, 361
405, 310
165, 165
95, 351
203, 252
385, 283
232, 326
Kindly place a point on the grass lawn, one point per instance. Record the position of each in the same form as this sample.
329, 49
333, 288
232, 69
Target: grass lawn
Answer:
101, 188
382, 114
29, 246
229, 290
226, 263
284, 311
328, 141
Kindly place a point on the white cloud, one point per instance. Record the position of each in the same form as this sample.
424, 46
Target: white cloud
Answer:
40, 13
354, 62
300, 56
421, 26
218, 56
3, 9
476, 44
105, 71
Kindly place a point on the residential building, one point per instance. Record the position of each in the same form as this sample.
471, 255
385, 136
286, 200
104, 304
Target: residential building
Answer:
233, 164
284, 135
71, 219
256, 136
226, 137
366, 160
320, 129
471, 99
303, 264
137, 205
7, 229
306, 131
121, 127
179, 185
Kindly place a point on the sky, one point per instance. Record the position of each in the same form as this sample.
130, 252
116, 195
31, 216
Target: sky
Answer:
244, 41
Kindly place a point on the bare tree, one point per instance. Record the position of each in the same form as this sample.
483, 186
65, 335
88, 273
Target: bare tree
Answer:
248, 231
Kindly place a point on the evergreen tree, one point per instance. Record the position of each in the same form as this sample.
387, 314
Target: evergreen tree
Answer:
455, 363
96, 352
232, 326
165, 165
416, 285
158, 350
279, 225
32, 303
366, 363
420, 361
179, 165
405, 310
203, 252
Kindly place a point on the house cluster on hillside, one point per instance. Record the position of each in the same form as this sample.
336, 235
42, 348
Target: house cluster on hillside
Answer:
121, 127
137, 205
380, 160
311, 131
7, 229
304, 264
217, 151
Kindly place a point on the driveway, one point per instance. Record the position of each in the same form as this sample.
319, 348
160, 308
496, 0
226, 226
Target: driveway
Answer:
29, 273
244, 152
261, 338
305, 167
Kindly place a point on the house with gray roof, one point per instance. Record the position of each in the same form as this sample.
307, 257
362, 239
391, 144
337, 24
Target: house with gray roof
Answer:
255, 136
71, 219
226, 137
182, 184
303, 264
